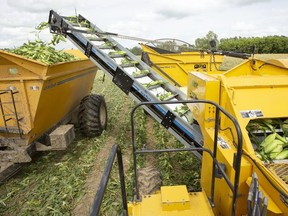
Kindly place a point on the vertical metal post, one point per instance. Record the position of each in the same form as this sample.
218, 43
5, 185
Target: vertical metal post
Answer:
217, 124
3, 114
104, 181
237, 168
134, 154
16, 115
122, 181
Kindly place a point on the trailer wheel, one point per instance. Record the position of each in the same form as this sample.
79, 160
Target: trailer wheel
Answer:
149, 180
92, 116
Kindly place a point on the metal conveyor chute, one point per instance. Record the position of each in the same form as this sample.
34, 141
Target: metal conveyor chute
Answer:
131, 75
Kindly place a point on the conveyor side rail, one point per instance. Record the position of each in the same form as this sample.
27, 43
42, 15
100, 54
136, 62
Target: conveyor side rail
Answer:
131, 75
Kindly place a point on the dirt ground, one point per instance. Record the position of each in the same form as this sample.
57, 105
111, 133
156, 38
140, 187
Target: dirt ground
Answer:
93, 180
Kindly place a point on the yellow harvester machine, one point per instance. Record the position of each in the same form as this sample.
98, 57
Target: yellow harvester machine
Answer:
234, 180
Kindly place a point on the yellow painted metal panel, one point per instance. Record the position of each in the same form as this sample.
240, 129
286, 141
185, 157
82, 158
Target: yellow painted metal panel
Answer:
279, 62
35, 67
152, 205
225, 155
202, 86
253, 85
174, 197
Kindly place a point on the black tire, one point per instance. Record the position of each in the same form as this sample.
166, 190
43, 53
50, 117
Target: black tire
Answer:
92, 116
149, 180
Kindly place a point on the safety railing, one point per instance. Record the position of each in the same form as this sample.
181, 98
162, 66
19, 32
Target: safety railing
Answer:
116, 150
213, 154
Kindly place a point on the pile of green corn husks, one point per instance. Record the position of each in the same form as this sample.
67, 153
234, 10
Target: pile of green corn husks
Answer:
269, 138
43, 52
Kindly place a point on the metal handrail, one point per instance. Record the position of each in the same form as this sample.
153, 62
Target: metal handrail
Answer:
237, 164
104, 181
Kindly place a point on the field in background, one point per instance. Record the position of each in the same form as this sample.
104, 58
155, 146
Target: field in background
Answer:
65, 183
230, 62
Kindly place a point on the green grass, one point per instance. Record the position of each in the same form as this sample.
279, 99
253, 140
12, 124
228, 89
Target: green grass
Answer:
50, 184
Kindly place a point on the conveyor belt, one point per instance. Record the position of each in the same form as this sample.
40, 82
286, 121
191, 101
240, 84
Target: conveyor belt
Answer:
131, 75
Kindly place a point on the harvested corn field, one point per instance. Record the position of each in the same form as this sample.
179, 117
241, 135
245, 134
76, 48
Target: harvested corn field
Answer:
65, 183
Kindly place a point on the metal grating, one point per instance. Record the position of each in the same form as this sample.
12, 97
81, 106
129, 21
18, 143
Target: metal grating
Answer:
281, 170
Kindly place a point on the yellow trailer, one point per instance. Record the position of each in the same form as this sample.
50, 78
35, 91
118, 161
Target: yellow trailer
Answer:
174, 67
35, 98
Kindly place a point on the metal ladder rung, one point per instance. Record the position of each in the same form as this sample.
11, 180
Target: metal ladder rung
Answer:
7, 91
6, 102
5, 112
19, 119
8, 115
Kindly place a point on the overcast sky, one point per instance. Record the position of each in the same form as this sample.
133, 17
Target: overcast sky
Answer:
151, 19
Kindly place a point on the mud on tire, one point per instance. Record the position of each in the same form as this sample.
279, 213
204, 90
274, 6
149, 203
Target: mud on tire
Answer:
149, 180
92, 116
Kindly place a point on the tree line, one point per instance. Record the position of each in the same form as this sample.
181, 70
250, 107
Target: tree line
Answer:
261, 45
268, 44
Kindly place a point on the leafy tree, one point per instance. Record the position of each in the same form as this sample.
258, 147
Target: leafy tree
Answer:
175, 46
204, 43
168, 45
136, 50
